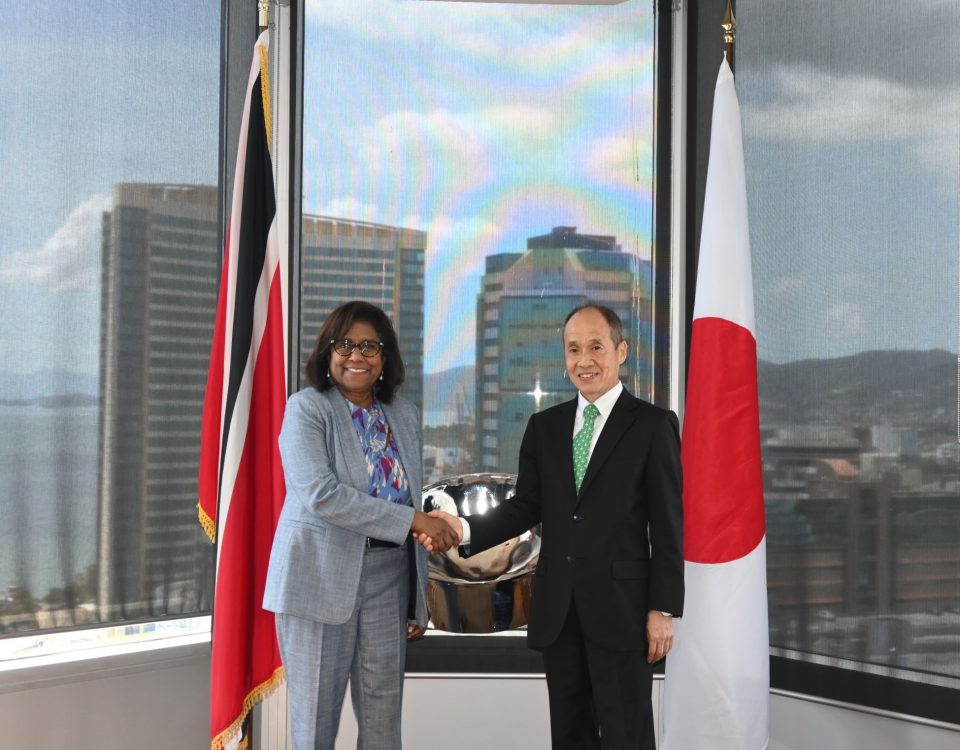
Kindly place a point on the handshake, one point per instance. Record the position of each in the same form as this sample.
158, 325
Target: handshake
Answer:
437, 530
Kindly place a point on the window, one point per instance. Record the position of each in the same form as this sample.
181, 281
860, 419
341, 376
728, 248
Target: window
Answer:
108, 269
511, 147
852, 161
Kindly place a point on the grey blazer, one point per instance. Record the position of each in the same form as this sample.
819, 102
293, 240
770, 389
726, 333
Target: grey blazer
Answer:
327, 515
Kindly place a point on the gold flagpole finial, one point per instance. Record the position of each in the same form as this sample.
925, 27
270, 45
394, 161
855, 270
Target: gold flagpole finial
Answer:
729, 26
263, 14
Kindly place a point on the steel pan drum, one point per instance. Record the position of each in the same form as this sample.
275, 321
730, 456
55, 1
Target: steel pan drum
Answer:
491, 590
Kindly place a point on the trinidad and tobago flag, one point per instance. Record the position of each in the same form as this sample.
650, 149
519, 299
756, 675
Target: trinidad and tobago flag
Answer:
716, 692
241, 478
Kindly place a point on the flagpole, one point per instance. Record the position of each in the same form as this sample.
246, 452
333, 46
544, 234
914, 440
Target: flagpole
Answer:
263, 23
729, 26
263, 15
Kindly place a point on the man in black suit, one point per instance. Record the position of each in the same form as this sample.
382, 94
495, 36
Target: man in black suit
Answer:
602, 474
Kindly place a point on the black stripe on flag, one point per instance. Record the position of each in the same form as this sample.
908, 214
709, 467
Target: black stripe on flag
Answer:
258, 207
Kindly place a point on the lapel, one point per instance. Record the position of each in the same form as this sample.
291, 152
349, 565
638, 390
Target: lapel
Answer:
617, 423
350, 448
562, 450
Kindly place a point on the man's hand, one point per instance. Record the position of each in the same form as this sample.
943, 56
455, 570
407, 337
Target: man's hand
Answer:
659, 635
433, 533
451, 520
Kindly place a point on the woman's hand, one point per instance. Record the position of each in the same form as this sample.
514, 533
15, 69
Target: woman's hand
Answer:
415, 632
433, 533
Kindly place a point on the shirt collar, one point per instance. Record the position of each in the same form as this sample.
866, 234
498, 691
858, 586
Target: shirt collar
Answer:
604, 403
374, 410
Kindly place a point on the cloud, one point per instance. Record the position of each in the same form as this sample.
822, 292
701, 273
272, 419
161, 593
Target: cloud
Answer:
551, 39
464, 235
444, 233
416, 19
808, 105
787, 285
913, 43
350, 208
70, 259
408, 19
619, 160
410, 162
846, 320
462, 145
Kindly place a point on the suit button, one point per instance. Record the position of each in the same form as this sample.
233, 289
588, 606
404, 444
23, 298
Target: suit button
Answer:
578, 518
570, 558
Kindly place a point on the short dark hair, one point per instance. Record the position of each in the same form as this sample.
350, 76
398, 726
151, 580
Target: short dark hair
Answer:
613, 320
335, 327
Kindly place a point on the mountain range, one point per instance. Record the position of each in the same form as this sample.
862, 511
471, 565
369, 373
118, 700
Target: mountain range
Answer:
906, 388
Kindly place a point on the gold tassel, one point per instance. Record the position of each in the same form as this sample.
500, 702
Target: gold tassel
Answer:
209, 525
265, 93
255, 696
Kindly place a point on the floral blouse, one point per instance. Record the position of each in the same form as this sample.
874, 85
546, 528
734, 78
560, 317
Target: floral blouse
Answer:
388, 480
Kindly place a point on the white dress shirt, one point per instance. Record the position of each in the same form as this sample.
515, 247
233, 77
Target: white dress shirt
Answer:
604, 404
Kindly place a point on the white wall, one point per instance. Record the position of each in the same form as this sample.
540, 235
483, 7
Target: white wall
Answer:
157, 700
148, 700
799, 723
484, 712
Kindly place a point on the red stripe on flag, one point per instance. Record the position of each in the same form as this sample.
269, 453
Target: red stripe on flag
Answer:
241, 626
722, 470
211, 430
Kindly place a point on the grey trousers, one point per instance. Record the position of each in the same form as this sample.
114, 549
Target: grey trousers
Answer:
369, 649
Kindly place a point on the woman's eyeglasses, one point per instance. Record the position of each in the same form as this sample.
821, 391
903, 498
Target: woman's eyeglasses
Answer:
345, 347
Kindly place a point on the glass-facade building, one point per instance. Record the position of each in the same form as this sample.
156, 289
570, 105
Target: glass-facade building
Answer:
521, 307
344, 260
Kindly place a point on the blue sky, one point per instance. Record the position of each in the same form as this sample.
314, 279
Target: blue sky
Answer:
486, 124
482, 125
91, 94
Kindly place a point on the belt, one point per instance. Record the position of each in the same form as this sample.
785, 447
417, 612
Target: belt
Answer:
371, 543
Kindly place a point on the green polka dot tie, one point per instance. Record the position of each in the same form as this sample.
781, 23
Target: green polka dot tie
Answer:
581, 444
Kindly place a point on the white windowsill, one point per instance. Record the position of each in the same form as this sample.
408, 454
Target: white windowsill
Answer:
102, 660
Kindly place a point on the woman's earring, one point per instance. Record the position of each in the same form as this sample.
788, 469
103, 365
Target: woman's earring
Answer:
381, 376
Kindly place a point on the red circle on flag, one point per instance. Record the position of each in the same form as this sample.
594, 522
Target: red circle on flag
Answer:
722, 469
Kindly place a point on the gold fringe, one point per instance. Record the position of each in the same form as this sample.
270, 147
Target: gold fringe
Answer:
209, 525
265, 93
256, 695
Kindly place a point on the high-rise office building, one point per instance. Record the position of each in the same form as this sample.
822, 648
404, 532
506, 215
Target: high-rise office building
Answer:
160, 255
345, 260
523, 300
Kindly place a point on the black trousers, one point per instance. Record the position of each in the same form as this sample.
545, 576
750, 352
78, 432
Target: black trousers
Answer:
599, 699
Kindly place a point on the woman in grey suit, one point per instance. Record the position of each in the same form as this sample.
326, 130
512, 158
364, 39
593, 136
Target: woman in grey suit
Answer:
346, 581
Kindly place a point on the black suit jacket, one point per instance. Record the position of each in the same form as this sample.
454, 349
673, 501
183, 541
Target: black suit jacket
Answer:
616, 547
